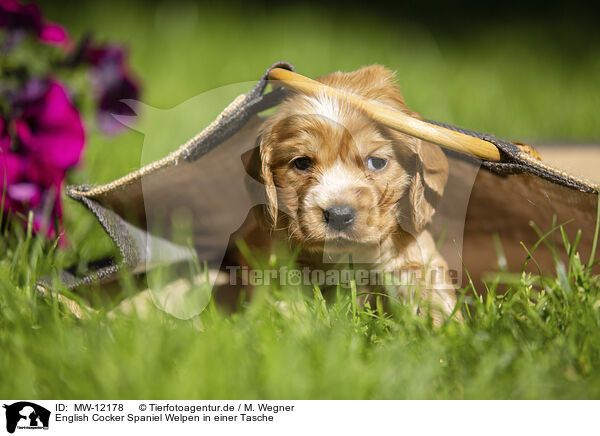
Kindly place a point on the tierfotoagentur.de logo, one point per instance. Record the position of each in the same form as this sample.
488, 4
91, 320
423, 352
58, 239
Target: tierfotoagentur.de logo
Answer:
24, 415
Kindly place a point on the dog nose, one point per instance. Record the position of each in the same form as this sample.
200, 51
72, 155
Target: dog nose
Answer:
339, 217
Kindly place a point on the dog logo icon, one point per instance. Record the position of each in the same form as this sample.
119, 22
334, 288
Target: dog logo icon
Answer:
26, 415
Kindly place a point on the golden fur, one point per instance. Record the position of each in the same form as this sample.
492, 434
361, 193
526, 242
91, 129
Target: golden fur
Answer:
391, 207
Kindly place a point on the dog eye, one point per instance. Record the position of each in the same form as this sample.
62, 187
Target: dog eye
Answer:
302, 163
376, 163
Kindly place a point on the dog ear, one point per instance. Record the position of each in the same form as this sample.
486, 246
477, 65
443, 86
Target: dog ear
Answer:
266, 173
427, 184
257, 163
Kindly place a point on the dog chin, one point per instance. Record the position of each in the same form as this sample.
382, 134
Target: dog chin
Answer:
338, 245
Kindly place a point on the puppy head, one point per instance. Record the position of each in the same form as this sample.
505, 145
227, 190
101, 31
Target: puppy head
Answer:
338, 177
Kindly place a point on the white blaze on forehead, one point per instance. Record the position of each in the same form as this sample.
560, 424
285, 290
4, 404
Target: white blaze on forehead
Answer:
324, 105
333, 184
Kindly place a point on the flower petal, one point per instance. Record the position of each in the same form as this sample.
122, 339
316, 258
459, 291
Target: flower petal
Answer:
55, 34
52, 128
28, 193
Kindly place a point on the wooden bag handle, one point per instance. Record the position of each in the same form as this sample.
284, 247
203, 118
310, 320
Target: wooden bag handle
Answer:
392, 118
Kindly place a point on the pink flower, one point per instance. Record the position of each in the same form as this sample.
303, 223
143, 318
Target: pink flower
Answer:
51, 129
55, 34
17, 17
113, 83
10, 166
50, 135
41, 131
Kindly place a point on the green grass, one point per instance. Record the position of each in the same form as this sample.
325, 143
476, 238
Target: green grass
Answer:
540, 340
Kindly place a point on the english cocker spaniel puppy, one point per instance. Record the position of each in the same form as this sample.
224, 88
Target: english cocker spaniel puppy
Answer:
349, 193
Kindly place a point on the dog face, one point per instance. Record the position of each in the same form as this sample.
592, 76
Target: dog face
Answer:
341, 179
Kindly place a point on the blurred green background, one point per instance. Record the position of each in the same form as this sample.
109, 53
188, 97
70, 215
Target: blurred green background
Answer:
524, 73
